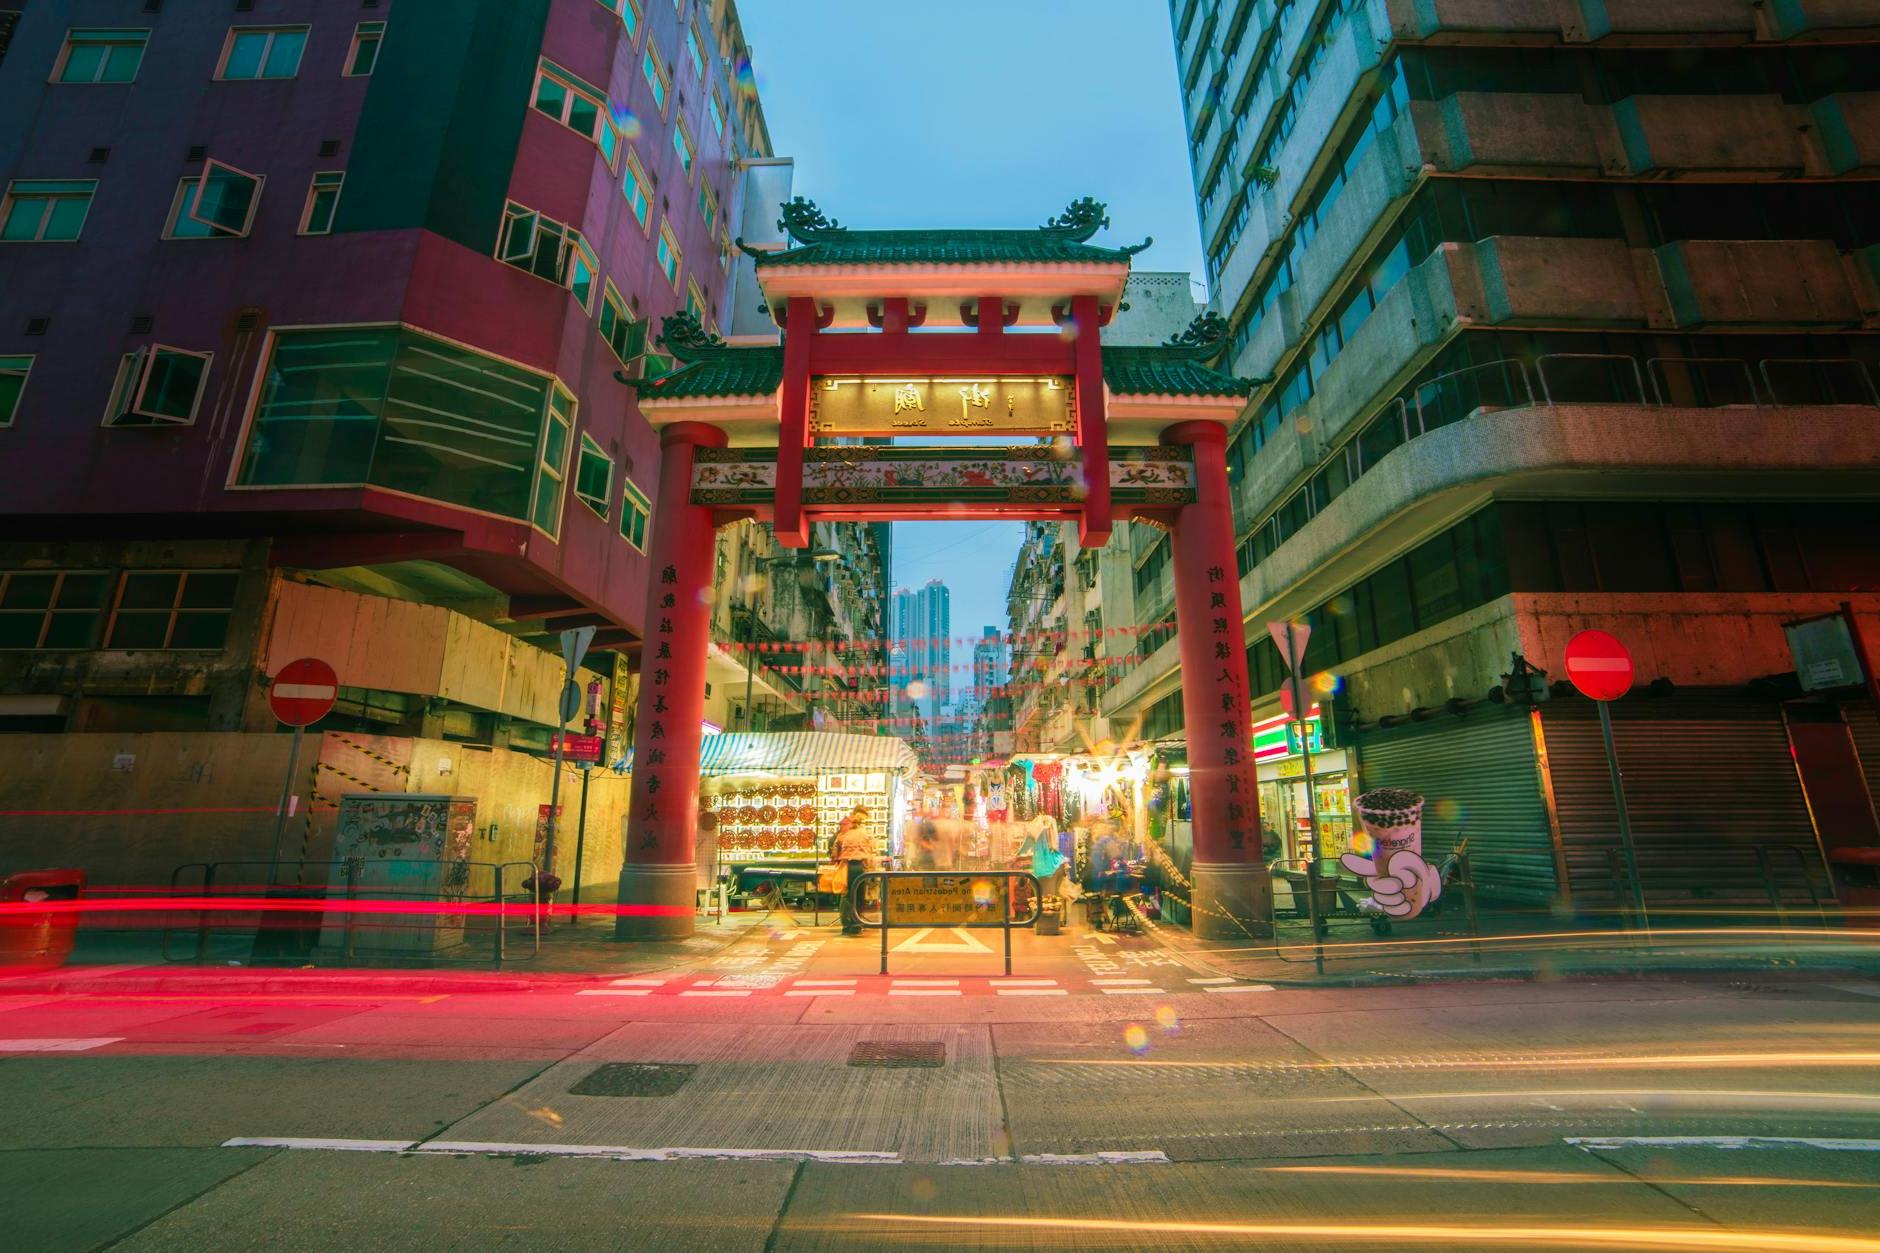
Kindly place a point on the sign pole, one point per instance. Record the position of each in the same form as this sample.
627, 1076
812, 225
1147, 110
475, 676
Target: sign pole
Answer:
1625, 818
580, 839
574, 646
280, 812
1291, 638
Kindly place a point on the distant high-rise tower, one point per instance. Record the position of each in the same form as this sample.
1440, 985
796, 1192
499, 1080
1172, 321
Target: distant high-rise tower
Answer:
921, 624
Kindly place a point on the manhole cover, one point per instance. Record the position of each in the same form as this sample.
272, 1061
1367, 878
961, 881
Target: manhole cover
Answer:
898, 1053
634, 1079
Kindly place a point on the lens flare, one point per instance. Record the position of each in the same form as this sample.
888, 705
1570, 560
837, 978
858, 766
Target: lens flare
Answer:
745, 77
1167, 1019
1136, 1039
627, 123
1447, 809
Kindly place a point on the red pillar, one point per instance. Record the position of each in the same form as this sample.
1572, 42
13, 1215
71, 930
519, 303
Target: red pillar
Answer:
663, 808
799, 329
1230, 887
1093, 423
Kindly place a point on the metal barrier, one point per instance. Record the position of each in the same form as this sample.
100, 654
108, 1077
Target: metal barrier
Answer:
1513, 401
1323, 894
496, 900
1719, 881
1856, 372
954, 901
1698, 370
1631, 363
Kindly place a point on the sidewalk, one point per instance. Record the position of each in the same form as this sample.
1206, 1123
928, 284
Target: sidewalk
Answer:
1531, 946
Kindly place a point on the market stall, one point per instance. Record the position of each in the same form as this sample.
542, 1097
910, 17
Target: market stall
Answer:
1279, 754
778, 797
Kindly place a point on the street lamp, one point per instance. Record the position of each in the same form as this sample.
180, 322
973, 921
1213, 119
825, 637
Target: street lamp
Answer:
822, 556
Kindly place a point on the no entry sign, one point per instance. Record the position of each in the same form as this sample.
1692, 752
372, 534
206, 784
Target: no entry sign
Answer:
1599, 665
303, 692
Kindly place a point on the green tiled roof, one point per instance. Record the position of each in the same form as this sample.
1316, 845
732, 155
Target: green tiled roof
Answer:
1167, 372
1128, 371
726, 372
963, 247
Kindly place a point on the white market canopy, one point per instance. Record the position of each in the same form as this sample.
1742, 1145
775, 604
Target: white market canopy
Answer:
798, 753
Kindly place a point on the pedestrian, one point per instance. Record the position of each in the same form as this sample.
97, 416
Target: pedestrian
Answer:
853, 849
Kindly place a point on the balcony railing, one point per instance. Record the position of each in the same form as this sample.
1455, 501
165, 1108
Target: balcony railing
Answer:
1563, 379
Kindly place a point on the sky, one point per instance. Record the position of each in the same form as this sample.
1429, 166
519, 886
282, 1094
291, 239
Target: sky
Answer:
901, 113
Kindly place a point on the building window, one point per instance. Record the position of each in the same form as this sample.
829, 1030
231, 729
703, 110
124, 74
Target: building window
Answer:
101, 56
639, 192
322, 203
173, 609
635, 509
656, 76
158, 386
219, 203
53, 608
582, 109
363, 57
593, 477
623, 333
707, 205
695, 48
548, 249
695, 304
552, 466
45, 211
715, 109
397, 409
670, 258
13, 372
262, 52
682, 144
583, 269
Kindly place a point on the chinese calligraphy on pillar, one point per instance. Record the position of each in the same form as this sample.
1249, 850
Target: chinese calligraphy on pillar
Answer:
1231, 683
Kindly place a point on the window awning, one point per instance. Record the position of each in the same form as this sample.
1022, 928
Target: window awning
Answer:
799, 753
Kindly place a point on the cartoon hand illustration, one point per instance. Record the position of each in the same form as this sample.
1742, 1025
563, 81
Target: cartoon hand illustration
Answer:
1402, 883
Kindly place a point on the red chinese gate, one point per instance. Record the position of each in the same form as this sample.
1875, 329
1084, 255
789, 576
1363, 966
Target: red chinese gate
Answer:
1141, 434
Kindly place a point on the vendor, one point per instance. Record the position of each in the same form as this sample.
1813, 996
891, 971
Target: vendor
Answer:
853, 849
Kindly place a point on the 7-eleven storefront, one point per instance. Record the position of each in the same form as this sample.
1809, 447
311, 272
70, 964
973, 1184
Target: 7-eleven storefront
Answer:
1279, 754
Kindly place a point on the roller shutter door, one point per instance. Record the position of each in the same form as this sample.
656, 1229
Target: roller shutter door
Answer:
1707, 784
1478, 777
1865, 726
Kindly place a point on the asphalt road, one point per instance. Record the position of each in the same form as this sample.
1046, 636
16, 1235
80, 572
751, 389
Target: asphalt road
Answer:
779, 1093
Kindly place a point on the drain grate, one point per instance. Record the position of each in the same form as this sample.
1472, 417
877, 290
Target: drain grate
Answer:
634, 1079
899, 1054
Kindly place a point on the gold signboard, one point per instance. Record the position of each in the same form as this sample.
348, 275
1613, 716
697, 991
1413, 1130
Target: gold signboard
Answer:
942, 406
945, 900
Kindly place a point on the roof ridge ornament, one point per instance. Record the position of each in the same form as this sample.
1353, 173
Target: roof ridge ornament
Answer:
682, 335
1203, 339
806, 224
1080, 221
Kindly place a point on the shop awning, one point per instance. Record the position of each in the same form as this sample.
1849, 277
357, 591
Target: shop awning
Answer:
798, 753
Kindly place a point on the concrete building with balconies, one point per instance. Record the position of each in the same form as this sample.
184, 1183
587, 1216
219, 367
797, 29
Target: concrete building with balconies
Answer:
1571, 313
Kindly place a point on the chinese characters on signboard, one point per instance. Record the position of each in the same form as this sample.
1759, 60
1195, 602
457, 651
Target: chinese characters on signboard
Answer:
943, 406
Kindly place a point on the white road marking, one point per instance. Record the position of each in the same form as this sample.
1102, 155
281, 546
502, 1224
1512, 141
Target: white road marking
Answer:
1724, 1142
926, 983
1139, 1157
998, 982
1221, 980
825, 983
1130, 991
334, 1146
1118, 983
923, 992
1245, 987
1032, 991
919, 943
58, 1045
616, 1151
716, 992
1103, 937
615, 992
820, 992
638, 982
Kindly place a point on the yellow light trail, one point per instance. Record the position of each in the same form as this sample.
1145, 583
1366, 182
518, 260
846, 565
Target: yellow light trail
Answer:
1559, 1177
1857, 937
1780, 1099
1698, 1239
1695, 1061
